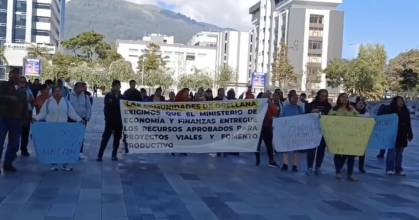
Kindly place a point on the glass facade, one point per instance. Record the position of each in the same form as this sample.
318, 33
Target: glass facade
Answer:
19, 29
3, 21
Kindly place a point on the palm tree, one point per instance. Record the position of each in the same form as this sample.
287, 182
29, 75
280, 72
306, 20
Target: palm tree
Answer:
35, 51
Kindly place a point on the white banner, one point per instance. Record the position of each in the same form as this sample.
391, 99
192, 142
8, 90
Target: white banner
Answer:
193, 127
300, 132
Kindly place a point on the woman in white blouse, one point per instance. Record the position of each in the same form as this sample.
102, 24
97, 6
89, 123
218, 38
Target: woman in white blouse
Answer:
57, 109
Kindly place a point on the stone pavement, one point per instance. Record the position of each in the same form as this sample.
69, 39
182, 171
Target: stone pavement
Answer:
203, 187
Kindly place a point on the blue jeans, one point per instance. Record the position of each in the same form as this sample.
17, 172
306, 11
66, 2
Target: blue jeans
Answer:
13, 128
394, 160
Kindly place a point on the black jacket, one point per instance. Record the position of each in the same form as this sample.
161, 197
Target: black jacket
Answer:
404, 132
112, 110
132, 95
13, 102
323, 107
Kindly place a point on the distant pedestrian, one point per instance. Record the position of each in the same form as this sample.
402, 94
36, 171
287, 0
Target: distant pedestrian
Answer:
113, 121
157, 97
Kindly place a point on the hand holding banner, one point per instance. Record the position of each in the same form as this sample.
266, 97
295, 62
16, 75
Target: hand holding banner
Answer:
57, 143
385, 132
297, 132
347, 135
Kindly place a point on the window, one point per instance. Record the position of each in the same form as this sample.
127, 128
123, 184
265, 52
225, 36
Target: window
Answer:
20, 6
42, 6
225, 48
42, 19
133, 50
19, 35
226, 36
314, 45
3, 4
316, 19
190, 57
3, 17
2, 31
41, 33
20, 20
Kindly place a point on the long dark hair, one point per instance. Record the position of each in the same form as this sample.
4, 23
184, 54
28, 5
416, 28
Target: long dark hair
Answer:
394, 108
364, 110
339, 104
317, 99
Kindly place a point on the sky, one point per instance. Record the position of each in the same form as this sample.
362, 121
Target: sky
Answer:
394, 23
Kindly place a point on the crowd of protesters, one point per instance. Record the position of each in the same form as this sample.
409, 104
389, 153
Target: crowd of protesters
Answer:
54, 102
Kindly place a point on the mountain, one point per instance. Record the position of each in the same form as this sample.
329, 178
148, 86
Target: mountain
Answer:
119, 19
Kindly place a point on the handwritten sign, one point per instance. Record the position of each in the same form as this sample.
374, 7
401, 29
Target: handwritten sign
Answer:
300, 132
57, 143
347, 135
385, 132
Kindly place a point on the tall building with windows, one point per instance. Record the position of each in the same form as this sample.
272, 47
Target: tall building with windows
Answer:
27, 22
311, 29
232, 50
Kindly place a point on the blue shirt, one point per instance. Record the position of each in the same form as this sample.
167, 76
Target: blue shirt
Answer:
291, 110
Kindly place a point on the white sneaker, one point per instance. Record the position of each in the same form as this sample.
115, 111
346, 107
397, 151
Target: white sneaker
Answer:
66, 168
82, 157
54, 168
390, 173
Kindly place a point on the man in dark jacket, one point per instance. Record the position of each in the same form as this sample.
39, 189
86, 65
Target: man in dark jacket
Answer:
132, 94
13, 112
113, 121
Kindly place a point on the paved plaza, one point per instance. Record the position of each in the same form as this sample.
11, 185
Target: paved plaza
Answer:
203, 187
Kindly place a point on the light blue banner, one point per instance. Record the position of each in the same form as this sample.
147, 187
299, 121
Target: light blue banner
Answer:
385, 132
57, 142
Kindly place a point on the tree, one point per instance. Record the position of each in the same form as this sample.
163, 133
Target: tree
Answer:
158, 78
282, 71
121, 70
36, 51
151, 60
195, 81
88, 46
225, 76
409, 80
404, 61
361, 76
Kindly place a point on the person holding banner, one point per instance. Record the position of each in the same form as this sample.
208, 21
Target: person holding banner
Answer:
82, 105
267, 132
291, 109
404, 136
41, 98
344, 108
361, 107
320, 105
58, 109
113, 121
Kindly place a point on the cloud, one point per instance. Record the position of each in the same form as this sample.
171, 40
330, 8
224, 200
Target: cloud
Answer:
225, 13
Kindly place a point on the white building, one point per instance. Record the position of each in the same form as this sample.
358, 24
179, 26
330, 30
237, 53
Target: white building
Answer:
312, 30
180, 59
232, 50
27, 22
